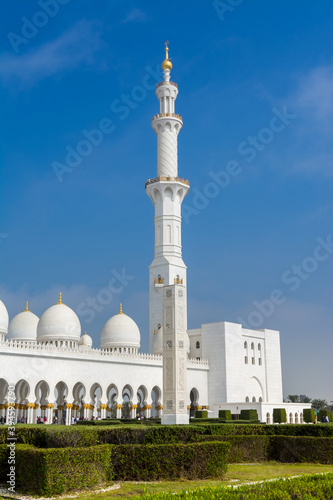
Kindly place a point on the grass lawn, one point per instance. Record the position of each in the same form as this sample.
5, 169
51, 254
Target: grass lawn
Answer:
237, 474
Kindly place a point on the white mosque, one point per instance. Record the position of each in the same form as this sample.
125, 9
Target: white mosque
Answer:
55, 371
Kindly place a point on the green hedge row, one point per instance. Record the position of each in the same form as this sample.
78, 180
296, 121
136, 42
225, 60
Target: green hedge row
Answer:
278, 448
313, 486
53, 471
168, 462
44, 436
244, 448
323, 430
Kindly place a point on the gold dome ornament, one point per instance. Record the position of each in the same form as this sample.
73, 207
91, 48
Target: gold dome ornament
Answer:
167, 64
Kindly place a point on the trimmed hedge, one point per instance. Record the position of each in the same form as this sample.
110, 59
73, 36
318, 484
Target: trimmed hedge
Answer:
45, 436
301, 449
201, 414
225, 414
168, 462
279, 415
53, 471
309, 415
251, 415
244, 448
3, 462
279, 448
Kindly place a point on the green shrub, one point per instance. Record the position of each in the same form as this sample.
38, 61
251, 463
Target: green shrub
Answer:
251, 415
324, 413
279, 415
225, 414
201, 414
55, 470
3, 462
301, 449
169, 461
244, 448
309, 415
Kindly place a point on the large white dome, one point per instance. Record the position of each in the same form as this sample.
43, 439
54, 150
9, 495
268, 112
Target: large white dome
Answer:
59, 323
23, 326
4, 318
120, 331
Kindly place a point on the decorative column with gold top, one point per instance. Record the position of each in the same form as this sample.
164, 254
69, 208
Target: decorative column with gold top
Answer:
167, 192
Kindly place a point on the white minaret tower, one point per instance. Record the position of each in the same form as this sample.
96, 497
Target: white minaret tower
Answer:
167, 192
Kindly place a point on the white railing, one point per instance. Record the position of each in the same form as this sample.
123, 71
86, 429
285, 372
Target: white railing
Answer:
36, 347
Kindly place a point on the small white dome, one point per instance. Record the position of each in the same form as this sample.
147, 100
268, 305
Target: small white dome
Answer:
23, 326
85, 341
4, 318
59, 322
120, 331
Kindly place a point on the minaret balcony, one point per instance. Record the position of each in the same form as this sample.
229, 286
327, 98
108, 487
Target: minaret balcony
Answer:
167, 83
158, 179
167, 115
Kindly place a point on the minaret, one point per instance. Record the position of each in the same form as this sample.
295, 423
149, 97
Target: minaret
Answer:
167, 192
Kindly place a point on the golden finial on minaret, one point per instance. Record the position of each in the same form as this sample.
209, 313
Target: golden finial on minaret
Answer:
60, 298
167, 64
27, 306
120, 309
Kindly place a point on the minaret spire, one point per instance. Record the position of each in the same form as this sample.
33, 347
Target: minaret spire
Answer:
167, 192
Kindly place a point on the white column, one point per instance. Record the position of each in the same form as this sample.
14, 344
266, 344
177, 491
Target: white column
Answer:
159, 411
103, 411
30, 413
133, 411
119, 408
49, 413
69, 413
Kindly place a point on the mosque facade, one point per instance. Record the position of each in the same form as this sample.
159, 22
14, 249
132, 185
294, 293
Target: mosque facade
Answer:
56, 373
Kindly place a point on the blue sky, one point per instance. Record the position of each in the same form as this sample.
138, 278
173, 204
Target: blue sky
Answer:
255, 81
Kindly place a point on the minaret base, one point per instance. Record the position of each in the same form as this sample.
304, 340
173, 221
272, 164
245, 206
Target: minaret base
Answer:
175, 419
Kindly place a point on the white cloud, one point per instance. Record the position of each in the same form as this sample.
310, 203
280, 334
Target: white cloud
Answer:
76, 46
315, 93
312, 101
135, 15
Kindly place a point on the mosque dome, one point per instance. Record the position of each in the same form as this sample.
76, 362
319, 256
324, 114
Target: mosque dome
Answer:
59, 323
85, 341
120, 331
23, 326
4, 318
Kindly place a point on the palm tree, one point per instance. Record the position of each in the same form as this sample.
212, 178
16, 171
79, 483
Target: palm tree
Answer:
320, 404
293, 398
306, 399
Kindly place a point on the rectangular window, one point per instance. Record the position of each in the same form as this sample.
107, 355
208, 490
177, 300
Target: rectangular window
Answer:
253, 360
260, 363
246, 360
